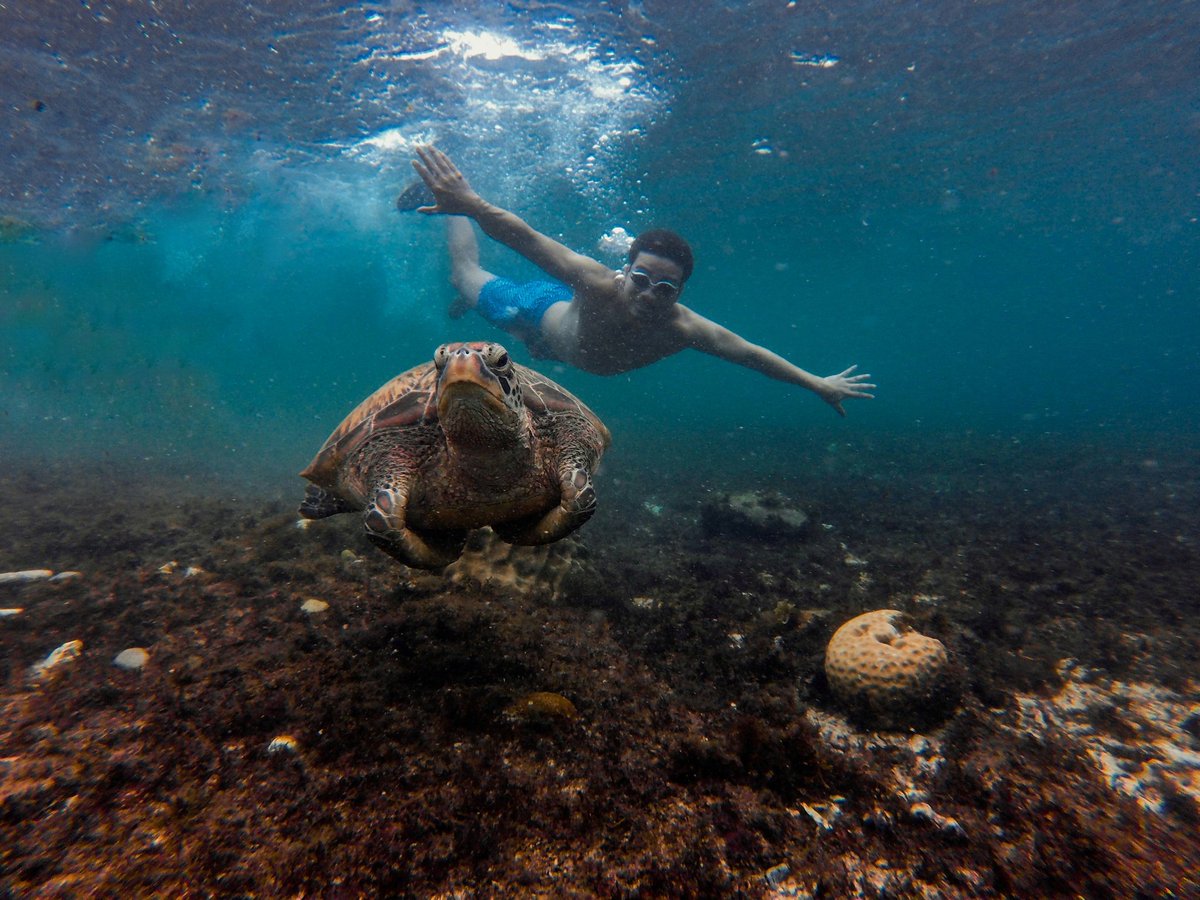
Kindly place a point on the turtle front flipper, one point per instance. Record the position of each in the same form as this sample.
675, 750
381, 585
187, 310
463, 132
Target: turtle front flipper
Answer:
384, 520
319, 503
576, 507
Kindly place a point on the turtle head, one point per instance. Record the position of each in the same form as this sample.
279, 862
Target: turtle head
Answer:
479, 394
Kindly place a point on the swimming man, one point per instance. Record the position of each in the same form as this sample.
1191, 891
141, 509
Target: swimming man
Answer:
598, 320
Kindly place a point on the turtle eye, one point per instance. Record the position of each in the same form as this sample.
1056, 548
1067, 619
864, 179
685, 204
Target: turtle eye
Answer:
500, 358
439, 356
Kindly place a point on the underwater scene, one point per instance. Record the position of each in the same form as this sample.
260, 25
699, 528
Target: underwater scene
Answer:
378, 529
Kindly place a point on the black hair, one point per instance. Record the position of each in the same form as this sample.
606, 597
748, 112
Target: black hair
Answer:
666, 244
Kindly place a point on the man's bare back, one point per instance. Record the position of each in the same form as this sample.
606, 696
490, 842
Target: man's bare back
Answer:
595, 319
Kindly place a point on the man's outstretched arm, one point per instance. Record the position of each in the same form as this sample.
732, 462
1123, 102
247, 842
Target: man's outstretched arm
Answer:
714, 339
453, 195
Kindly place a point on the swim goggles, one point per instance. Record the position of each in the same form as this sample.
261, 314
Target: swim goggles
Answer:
663, 289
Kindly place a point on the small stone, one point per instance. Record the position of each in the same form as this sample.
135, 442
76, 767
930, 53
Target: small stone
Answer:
25, 576
284, 743
312, 606
69, 575
193, 571
922, 812
350, 558
951, 826
68, 652
776, 874
823, 814
168, 568
14, 611
542, 707
131, 659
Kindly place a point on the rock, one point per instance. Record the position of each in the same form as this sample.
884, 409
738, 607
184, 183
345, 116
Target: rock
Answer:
68, 652
313, 606
754, 515
11, 611
776, 875
542, 708
1159, 768
131, 659
923, 812
26, 576
888, 675
824, 814
284, 743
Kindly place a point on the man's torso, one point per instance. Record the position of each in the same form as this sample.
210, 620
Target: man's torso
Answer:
601, 337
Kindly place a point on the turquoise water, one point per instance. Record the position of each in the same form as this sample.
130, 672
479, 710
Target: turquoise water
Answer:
992, 209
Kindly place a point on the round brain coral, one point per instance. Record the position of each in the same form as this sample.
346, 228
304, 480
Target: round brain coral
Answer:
889, 675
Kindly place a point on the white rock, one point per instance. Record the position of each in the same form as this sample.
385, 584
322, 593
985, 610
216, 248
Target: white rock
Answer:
14, 611
68, 652
131, 658
312, 606
25, 576
69, 575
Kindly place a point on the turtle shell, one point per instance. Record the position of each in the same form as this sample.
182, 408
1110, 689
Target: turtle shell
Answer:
543, 396
411, 399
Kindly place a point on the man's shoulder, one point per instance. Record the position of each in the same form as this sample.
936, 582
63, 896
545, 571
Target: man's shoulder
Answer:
687, 321
598, 282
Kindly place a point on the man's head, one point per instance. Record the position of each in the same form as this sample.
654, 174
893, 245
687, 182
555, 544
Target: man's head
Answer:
660, 261
666, 244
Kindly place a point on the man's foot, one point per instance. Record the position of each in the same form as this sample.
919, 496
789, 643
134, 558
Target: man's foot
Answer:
414, 197
459, 307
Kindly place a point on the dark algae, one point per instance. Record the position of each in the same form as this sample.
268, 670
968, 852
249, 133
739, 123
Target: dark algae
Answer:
645, 715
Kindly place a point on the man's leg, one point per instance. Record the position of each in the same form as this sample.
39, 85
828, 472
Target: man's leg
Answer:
516, 308
465, 273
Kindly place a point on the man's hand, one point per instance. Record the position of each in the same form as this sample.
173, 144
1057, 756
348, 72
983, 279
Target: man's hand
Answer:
452, 194
845, 386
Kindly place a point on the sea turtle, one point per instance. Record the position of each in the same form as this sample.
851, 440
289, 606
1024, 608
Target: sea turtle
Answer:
467, 440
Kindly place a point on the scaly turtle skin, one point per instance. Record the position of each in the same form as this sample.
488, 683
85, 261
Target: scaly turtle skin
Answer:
469, 440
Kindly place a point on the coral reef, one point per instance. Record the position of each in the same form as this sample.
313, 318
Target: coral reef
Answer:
541, 571
888, 674
754, 515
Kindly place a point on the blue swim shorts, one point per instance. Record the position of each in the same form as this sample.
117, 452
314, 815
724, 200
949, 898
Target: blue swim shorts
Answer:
518, 308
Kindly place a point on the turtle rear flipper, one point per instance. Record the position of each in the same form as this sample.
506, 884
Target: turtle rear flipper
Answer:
319, 503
